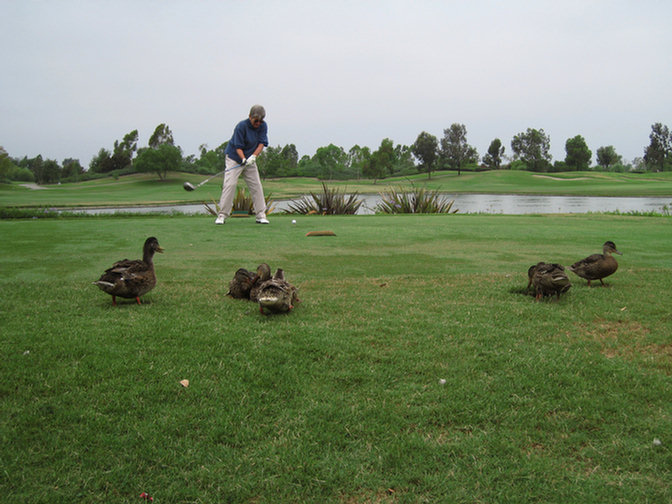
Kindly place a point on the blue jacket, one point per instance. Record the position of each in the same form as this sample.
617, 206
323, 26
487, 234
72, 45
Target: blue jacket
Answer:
247, 138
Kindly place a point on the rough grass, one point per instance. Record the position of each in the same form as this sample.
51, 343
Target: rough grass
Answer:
339, 401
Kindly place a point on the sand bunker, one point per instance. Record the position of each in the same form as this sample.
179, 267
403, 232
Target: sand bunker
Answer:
560, 178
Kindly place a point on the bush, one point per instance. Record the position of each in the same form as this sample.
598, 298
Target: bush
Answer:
329, 202
21, 174
242, 202
418, 200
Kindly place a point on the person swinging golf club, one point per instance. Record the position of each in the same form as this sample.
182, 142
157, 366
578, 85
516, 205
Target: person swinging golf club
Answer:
248, 140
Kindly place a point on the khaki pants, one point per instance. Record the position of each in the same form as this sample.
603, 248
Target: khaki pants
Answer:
251, 177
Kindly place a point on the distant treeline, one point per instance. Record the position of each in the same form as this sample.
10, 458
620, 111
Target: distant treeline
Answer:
529, 151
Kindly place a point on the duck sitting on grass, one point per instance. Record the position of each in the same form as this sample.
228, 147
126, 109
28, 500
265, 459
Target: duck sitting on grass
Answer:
597, 266
263, 275
277, 295
131, 278
548, 279
241, 284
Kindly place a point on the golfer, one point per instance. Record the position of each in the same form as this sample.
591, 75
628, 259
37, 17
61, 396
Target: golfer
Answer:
248, 140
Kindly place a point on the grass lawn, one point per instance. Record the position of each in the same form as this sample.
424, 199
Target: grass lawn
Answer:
340, 401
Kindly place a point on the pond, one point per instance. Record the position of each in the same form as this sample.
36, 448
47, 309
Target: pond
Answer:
512, 204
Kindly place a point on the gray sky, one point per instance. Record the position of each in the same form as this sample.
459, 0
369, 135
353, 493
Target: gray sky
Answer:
78, 75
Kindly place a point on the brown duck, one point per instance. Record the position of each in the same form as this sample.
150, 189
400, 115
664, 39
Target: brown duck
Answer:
548, 279
131, 278
277, 295
241, 284
597, 266
262, 275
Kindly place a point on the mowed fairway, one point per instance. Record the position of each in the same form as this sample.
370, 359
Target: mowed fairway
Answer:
342, 400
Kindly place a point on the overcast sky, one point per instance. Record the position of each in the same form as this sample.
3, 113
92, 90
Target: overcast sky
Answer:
78, 75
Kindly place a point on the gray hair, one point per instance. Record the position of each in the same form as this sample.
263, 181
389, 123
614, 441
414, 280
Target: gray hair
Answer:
257, 112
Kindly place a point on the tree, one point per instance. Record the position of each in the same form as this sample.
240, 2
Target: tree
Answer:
493, 159
166, 157
101, 162
403, 159
278, 162
290, 160
122, 154
307, 167
357, 157
606, 157
210, 161
578, 154
426, 150
162, 135
659, 151
6, 165
72, 169
329, 159
455, 150
120, 158
381, 161
532, 147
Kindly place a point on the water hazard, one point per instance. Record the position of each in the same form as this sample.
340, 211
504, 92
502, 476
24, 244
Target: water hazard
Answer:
511, 204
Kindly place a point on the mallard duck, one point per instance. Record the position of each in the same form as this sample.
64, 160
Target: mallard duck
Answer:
263, 274
131, 278
597, 266
548, 279
240, 285
277, 295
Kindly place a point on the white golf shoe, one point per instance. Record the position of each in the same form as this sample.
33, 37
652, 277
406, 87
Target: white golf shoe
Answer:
262, 220
220, 219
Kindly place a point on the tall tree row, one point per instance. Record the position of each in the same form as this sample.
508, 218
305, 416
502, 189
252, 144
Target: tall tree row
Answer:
530, 150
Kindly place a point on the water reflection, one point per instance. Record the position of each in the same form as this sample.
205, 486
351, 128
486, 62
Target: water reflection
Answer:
511, 204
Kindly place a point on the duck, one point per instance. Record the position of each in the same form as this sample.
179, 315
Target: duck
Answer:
597, 266
131, 278
241, 284
277, 295
548, 279
262, 275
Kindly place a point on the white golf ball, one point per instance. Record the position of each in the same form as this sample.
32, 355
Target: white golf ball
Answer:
293, 221
442, 381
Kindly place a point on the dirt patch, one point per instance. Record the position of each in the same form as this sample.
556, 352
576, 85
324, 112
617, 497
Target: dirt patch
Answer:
628, 340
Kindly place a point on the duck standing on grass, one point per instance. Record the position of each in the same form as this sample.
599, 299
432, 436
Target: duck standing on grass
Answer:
277, 295
548, 279
597, 266
131, 278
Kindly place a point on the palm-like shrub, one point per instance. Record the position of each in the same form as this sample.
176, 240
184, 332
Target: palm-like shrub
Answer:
417, 200
242, 202
328, 202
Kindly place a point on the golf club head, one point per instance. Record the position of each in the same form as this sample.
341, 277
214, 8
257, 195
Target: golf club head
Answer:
188, 187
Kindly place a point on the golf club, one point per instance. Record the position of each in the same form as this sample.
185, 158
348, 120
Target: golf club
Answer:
188, 186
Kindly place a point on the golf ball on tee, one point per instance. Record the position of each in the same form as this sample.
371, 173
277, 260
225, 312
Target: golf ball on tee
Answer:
293, 221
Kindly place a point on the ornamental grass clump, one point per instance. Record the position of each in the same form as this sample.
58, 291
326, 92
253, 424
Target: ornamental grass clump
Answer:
328, 202
417, 200
242, 202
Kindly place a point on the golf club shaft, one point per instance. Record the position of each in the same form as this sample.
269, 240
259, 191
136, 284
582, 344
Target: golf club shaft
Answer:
217, 175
